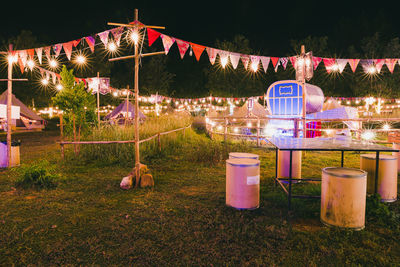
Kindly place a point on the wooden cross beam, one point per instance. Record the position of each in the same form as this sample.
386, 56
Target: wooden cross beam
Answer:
136, 24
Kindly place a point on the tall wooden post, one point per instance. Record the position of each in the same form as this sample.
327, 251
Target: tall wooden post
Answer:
98, 99
9, 103
127, 106
258, 132
137, 159
304, 94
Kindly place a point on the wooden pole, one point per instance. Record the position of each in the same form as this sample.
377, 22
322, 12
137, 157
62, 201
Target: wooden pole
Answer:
159, 142
9, 104
127, 106
304, 95
98, 99
225, 130
258, 132
137, 154
61, 127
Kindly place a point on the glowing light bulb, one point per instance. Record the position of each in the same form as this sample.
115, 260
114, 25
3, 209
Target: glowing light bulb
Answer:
135, 36
368, 135
386, 127
236, 129
12, 58
80, 59
224, 61
53, 63
112, 47
254, 66
335, 67
30, 63
249, 124
59, 87
115, 94
371, 70
45, 81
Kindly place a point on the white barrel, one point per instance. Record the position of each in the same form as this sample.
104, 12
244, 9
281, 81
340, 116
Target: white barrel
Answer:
284, 163
343, 197
243, 183
387, 175
240, 155
396, 154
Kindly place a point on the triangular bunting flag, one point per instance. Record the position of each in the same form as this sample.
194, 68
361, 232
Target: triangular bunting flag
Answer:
234, 57
90, 41
182, 46
68, 49
167, 42
255, 61
293, 61
265, 62
379, 64
341, 64
104, 37
39, 52
245, 60
76, 42
57, 49
31, 53
329, 62
353, 62
152, 35
275, 61
197, 50
54, 77
316, 61
367, 64
21, 65
23, 55
212, 54
284, 61
223, 57
47, 51
117, 33
391, 63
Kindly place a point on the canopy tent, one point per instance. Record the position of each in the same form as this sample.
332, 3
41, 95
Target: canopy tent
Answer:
340, 113
331, 103
28, 120
248, 110
119, 114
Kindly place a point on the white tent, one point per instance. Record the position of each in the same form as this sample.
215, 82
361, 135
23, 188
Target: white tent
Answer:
246, 111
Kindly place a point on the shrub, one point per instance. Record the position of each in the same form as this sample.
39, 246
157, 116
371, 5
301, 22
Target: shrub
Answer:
38, 175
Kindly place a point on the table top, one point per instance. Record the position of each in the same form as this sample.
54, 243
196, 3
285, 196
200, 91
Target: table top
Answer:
327, 144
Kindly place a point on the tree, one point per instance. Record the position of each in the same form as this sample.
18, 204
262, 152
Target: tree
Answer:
78, 104
154, 76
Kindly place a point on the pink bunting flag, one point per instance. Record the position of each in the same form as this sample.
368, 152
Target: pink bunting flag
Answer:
245, 60
379, 64
329, 62
117, 33
234, 58
293, 61
104, 37
255, 61
353, 62
54, 77
316, 61
90, 41
152, 35
47, 51
265, 62
391, 63
68, 49
275, 61
341, 64
39, 53
167, 42
57, 49
182, 46
76, 42
212, 54
284, 61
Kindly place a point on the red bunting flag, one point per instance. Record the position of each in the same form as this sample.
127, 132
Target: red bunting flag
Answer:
265, 62
353, 63
182, 46
47, 51
197, 50
274, 61
379, 64
329, 62
293, 61
212, 54
152, 35
21, 65
391, 63
23, 55
316, 61
76, 42
68, 49
90, 41
31, 53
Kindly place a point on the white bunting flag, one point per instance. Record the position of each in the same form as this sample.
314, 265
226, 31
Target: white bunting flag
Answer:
265, 62
255, 61
68, 49
341, 64
103, 37
245, 60
234, 57
167, 42
39, 53
212, 54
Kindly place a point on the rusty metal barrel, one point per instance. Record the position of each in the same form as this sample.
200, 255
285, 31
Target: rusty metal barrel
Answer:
243, 183
284, 163
241, 155
343, 197
387, 175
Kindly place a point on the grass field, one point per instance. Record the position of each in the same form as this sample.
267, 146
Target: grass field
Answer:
88, 220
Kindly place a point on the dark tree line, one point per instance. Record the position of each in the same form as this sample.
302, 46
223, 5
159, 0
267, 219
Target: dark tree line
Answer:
172, 76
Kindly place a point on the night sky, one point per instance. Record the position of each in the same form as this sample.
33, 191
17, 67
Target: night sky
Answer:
269, 25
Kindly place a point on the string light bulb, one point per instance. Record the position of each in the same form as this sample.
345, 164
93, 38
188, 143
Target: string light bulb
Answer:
44, 81
53, 63
12, 58
59, 87
30, 63
254, 66
224, 61
80, 59
112, 47
135, 36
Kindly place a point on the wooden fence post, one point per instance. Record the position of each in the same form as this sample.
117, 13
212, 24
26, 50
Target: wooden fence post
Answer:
159, 142
225, 130
258, 132
62, 151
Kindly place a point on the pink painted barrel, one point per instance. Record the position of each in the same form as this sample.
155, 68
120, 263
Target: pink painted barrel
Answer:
243, 183
387, 176
343, 197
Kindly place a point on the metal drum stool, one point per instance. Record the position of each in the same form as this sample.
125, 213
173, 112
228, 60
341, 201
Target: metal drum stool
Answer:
387, 176
343, 197
284, 163
243, 183
240, 155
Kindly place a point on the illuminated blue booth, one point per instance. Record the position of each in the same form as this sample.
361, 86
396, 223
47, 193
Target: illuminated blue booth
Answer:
285, 100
